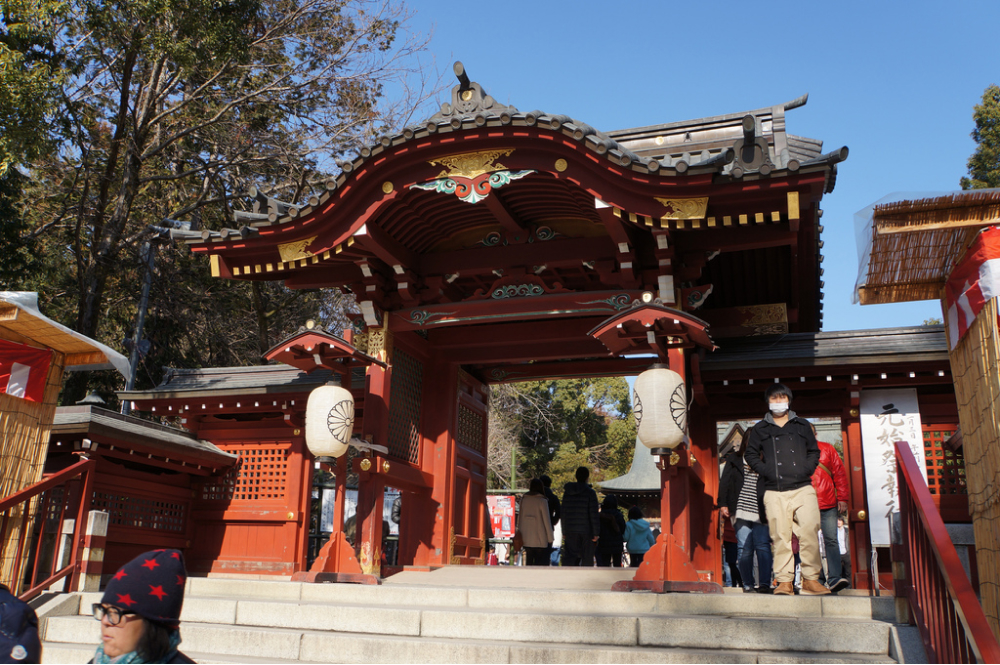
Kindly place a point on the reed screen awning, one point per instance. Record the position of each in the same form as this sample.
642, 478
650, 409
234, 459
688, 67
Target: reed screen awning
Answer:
19, 315
910, 246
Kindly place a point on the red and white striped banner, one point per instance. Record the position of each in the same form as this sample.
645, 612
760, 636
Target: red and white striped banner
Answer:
23, 370
974, 282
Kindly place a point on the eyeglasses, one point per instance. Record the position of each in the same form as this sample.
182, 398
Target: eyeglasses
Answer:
113, 614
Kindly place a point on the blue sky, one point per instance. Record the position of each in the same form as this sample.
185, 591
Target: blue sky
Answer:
895, 83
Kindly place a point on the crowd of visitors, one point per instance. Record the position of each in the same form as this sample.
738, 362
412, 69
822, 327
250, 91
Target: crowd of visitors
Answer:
783, 493
590, 532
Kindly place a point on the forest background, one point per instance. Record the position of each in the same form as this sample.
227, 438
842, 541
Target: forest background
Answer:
123, 120
120, 120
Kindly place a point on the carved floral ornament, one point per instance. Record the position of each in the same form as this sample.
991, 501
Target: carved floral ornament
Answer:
684, 208
471, 176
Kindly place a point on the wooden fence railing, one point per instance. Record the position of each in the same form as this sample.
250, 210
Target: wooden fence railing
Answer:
942, 602
31, 524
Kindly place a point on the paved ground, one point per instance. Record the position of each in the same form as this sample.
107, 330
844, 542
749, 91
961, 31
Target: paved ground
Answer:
516, 577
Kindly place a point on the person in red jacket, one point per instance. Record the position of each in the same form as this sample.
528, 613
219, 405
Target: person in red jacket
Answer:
830, 482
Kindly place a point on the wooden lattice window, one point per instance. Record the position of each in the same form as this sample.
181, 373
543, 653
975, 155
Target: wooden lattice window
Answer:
404, 406
470, 428
140, 512
945, 469
261, 475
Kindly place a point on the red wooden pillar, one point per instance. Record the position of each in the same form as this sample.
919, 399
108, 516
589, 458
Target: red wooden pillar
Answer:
670, 565
438, 456
857, 509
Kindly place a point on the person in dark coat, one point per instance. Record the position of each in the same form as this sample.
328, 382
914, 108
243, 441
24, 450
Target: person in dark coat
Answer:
140, 611
610, 543
783, 451
19, 642
741, 504
581, 520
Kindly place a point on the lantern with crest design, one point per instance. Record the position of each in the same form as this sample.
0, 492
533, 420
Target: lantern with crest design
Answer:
329, 422
660, 407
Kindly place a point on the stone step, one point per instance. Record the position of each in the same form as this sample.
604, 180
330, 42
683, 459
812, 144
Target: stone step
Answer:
55, 652
575, 625
209, 643
205, 596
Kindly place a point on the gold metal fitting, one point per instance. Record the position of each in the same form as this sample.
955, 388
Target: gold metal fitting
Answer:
291, 515
674, 458
854, 413
862, 515
387, 187
692, 458
385, 466
561, 165
366, 464
297, 431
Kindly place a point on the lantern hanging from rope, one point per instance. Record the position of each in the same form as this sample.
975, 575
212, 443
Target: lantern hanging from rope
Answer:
660, 407
329, 422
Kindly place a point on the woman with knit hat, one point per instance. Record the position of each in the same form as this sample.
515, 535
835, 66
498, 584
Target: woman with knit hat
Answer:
140, 611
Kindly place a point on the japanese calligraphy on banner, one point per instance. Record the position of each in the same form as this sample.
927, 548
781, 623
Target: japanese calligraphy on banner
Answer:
887, 416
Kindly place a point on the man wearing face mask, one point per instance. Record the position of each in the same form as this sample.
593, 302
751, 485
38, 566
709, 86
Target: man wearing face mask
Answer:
782, 449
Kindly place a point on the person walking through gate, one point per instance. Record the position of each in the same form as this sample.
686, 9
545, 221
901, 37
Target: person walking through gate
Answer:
638, 537
830, 482
782, 450
535, 524
741, 503
580, 520
610, 542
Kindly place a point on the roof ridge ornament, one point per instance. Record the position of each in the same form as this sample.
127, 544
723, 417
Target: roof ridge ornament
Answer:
468, 99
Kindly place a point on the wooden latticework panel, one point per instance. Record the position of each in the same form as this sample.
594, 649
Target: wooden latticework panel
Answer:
470, 429
262, 474
945, 469
141, 512
404, 406
975, 364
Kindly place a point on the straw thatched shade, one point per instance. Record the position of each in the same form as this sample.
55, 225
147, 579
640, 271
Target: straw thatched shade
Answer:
25, 425
912, 245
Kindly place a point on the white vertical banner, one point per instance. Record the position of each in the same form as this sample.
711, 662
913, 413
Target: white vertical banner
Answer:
887, 416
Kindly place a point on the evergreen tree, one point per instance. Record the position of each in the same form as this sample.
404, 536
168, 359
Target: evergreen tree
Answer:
984, 164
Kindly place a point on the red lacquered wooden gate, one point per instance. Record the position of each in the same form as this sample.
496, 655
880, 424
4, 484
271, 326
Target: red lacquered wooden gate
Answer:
145, 511
467, 544
251, 519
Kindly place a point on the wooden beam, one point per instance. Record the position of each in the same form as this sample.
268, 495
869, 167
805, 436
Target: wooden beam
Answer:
517, 232
485, 259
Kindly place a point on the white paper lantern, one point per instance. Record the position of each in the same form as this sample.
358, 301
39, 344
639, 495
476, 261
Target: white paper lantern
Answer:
329, 421
660, 407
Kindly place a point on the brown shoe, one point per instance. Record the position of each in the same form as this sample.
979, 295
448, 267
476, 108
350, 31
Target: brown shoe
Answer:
813, 588
784, 589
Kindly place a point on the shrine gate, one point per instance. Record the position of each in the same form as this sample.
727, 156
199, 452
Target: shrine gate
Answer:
489, 245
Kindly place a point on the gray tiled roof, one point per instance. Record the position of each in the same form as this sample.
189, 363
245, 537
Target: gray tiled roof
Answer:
889, 345
258, 379
642, 476
94, 419
688, 147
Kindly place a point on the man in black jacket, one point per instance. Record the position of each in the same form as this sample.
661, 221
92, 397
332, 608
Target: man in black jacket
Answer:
581, 520
783, 451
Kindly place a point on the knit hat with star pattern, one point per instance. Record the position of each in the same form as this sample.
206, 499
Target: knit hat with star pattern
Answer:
151, 585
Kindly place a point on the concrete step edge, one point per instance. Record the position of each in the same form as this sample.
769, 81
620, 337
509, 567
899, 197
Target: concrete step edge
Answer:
870, 638
197, 656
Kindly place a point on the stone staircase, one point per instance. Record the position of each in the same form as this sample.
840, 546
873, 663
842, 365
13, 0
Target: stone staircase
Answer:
501, 615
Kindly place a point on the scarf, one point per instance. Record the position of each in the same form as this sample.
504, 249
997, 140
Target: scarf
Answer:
133, 656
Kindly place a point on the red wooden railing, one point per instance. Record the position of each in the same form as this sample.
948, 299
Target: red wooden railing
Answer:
34, 561
942, 601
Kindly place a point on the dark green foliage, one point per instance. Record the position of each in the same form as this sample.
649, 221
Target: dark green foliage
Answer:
984, 164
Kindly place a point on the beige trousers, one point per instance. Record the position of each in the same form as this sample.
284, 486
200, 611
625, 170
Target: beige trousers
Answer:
794, 511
